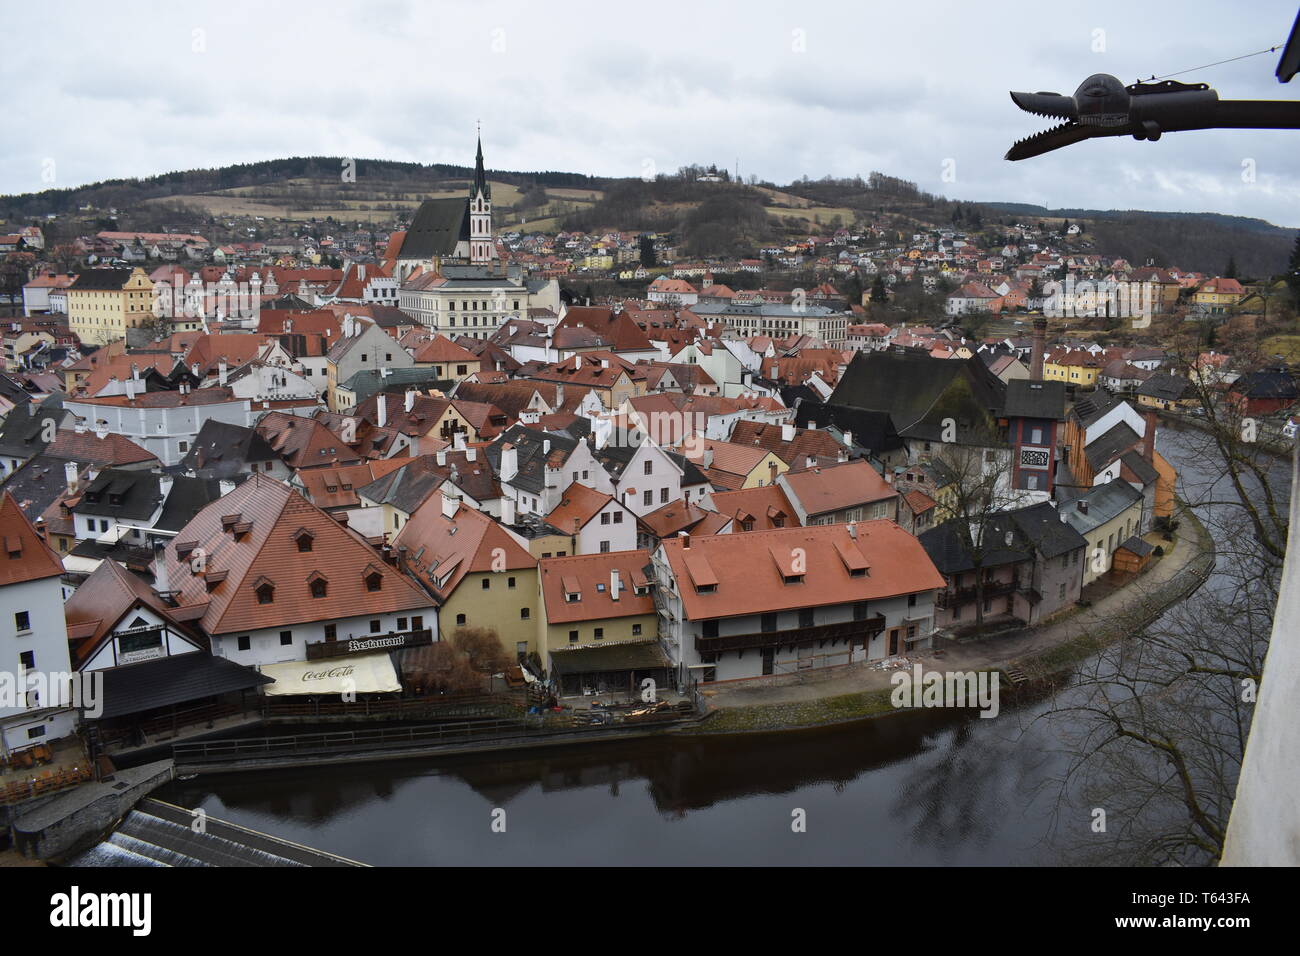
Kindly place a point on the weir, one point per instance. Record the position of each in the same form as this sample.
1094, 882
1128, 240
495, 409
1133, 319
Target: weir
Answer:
157, 833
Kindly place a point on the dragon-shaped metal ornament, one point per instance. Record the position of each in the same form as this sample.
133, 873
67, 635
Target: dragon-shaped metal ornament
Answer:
1104, 106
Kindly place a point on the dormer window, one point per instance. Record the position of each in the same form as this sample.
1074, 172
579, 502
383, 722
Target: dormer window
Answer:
705, 588
374, 581
265, 591
793, 578
304, 539
319, 585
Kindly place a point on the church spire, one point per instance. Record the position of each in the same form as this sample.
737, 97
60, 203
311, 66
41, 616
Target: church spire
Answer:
480, 176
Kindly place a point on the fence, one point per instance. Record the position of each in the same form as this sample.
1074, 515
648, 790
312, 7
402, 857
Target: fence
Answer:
379, 740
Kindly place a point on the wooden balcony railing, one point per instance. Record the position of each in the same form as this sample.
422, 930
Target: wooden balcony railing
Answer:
845, 630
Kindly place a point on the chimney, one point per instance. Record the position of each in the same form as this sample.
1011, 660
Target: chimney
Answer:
130, 389
708, 458
787, 431
1083, 506
442, 457
79, 425
382, 420
508, 511
509, 462
685, 537
449, 506
559, 396
383, 372
546, 446
408, 402
361, 273
812, 462
471, 454
101, 430
221, 374
1149, 439
848, 440
226, 486
1040, 346
70, 476
614, 584
853, 530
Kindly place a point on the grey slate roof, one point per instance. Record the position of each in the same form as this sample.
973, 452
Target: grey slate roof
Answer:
438, 226
1026, 399
1104, 503
121, 494
1104, 449
1162, 385
222, 450
1144, 470
177, 679
532, 461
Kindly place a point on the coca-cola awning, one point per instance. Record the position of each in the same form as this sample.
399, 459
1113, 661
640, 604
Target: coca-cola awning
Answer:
356, 674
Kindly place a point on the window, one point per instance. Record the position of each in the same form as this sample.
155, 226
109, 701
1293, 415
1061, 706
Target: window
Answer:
806, 617
417, 623
510, 582
460, 620
710, 628
374, 626
487, 583
663, 496
265, 593
600, 633
649, 467
636, 630
331, 632
604, 547
245, 642
648, 498
304, 540
605, 517
23, 621
286, 638
525, 613
401, 623
860, 611
573, 637
27, 659
319, 588
768, 623
618, 517
183, 445
911, 600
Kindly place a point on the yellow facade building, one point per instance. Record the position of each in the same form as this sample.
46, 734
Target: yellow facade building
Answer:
104, 303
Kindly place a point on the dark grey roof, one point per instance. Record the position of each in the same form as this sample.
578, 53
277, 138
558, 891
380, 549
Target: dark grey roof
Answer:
919, 392
222, 450
1138, 546
368, 382
529, 445
1090, 409
1026, 399
948, 549
1104, 502
438, 226
178, 679
1041, 526
1267, 383
101, 279
122, 494
1143, 469
1104, 449
36, 484
1162, 385
188, 496
404, 488
21, 433
872, 431
691, 475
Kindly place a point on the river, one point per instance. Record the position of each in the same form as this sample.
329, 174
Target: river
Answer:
927, 788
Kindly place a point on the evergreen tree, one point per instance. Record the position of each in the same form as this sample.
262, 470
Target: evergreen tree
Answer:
1231, 271
878, 293
648, 252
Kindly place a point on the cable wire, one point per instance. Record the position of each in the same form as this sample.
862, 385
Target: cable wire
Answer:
1234, 59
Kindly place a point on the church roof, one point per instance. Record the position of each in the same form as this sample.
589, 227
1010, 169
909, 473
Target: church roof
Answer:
439, 225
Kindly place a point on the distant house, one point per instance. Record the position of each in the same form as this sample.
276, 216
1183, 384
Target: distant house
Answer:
1264, 392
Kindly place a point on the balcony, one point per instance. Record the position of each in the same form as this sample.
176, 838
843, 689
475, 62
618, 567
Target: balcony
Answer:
845, 630
959, 596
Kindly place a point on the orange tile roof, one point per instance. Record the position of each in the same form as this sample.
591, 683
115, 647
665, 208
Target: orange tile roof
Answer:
442, 550
579, 504
764, 506
589, 576
746, 569
25, 557
266, 550
833, 487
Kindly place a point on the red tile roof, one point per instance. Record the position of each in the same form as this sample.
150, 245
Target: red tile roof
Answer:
266, 550
746, 570
25, 557
589, 576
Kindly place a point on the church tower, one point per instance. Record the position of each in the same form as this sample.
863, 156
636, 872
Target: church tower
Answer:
482, 247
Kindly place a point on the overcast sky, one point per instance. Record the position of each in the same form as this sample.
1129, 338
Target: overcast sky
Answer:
618, 89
